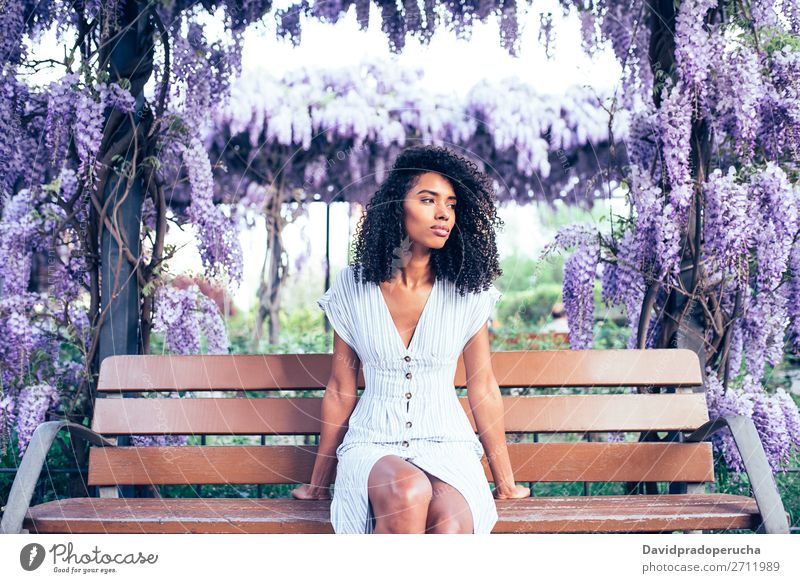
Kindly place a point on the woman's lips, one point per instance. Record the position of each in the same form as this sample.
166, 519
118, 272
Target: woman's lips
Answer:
442, 232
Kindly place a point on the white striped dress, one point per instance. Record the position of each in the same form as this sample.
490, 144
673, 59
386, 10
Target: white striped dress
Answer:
409, 406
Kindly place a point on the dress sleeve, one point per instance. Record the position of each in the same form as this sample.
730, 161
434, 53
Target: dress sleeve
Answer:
480, 311
337, 308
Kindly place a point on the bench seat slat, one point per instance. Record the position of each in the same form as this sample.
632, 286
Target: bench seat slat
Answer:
263, 515
301, 415
284, 464
540, 368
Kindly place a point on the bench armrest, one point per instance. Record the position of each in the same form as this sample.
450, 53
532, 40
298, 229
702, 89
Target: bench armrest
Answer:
19, 499
759, 472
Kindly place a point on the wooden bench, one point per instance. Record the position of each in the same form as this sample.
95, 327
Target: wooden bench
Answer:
684, 460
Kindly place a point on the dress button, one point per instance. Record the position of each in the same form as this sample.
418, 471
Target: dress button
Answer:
408, 423
408, 395
407, 359
408, 375
405, 444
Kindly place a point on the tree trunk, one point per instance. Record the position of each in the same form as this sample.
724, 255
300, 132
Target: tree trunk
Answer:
273, 274
129, 57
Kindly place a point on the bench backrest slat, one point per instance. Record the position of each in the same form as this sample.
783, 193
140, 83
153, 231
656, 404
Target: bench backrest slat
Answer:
284, 464
543, 368
301, 415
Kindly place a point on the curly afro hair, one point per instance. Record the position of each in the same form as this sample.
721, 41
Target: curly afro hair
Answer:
469, 258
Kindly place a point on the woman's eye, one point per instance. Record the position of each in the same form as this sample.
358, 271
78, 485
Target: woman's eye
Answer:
451, 205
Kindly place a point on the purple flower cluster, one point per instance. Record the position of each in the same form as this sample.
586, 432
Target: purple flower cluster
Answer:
763, 13
12, 27
158, 440
89, 121
220, 249
675, 124
202, 70
721, 403
401, 19
76, 112
776, 418
792, 292
61, 106
770, 423
589, 40
114, 96
579, 277
182, 315
10, 128
775, 199
618, 22
642, 139
213, 326
572, 235
33, 403
623, 282
766, 315
696, 48
660, 220
580, 273
7, 421
728, 223
791, 414
791, 10
735, 100
778, 95
657, 238
18, 228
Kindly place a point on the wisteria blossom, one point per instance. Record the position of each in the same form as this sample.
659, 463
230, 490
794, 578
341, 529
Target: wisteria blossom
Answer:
219, 243
580, 273
720, 403
184, 316
33, 403
7, 421
728, 228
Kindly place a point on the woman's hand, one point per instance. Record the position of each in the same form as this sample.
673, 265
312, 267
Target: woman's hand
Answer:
511, 491
312, 492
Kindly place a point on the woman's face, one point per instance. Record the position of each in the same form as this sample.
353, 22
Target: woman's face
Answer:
430, 211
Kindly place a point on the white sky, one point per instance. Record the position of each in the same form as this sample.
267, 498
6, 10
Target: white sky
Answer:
449, 65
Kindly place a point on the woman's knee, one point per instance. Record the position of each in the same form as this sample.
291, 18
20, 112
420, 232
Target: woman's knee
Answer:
450, 525
396, 483
448, 512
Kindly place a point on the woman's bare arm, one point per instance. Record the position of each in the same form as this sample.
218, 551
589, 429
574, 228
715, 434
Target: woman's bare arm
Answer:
338, 403
486, 404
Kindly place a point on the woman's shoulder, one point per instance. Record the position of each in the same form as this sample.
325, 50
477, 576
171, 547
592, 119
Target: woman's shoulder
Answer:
347, 281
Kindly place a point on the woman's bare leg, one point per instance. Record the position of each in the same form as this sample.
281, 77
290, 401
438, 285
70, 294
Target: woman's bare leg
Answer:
448, 511
400, 493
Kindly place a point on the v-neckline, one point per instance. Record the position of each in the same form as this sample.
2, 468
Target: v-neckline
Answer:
419, 321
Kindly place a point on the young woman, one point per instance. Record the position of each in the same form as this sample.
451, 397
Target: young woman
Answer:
418, 294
